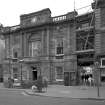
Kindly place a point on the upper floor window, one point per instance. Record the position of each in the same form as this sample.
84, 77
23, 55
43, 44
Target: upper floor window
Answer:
34, 48
85, 25
82, 25
15, 72
102, 63
59, 49
15, 54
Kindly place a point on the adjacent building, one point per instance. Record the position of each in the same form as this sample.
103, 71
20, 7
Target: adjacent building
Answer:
58, 48
2, 51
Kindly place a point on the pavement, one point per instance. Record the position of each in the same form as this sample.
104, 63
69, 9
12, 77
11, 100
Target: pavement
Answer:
76, 92
60, 91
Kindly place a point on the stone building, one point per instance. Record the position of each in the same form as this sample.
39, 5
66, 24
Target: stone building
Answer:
2, 48
55, 47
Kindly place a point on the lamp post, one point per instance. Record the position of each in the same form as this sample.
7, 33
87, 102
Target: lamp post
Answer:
98, 77
21, 69
9, 54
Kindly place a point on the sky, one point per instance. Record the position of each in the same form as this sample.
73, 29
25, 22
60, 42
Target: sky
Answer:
10, 10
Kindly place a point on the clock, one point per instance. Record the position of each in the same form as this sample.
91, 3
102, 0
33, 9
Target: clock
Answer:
34, 19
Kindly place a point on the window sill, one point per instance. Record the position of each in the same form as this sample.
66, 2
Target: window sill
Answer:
59, 55
59, 80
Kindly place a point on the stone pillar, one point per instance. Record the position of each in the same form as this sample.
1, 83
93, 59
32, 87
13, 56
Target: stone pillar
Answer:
99, 11
97, 32
48, 36
48, 54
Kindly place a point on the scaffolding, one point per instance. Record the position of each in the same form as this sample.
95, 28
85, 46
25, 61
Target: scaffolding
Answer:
85, 37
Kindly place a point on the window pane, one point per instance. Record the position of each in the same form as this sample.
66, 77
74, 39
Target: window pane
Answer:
15, 75
15, 72
34, 48
30, 49
15, 54
59, 73
59, 47
103, 62
59, 77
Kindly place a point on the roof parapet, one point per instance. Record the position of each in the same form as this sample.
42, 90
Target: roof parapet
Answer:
68, 16
35, 18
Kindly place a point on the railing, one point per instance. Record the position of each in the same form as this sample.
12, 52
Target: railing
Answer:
84, 28
59, 18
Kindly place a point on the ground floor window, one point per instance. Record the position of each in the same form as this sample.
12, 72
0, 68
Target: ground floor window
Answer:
59, 74
102, 78
15, 72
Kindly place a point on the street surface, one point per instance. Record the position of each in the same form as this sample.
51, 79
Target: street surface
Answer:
19, 97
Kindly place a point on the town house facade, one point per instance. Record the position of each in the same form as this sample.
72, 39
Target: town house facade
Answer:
55, 47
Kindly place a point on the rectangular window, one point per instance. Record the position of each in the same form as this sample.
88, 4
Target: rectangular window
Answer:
34, 48
15, 72
59, 74
15, 54
59, 49
102, 62
102, 78
85, 25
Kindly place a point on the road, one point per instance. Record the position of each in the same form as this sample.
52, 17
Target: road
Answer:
19, 97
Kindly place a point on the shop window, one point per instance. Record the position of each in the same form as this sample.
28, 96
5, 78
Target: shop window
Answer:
59, 74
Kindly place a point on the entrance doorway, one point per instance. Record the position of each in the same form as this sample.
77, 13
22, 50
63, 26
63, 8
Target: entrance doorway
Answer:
34, 73
69, 78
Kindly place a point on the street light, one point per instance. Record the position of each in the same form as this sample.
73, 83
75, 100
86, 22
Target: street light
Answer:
98, 77
21, 68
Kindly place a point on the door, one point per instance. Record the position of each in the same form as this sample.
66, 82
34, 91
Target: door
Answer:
34, 73
66, 78
69, 78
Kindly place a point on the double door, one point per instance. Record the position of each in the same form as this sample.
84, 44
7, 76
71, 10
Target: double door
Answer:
69, 78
